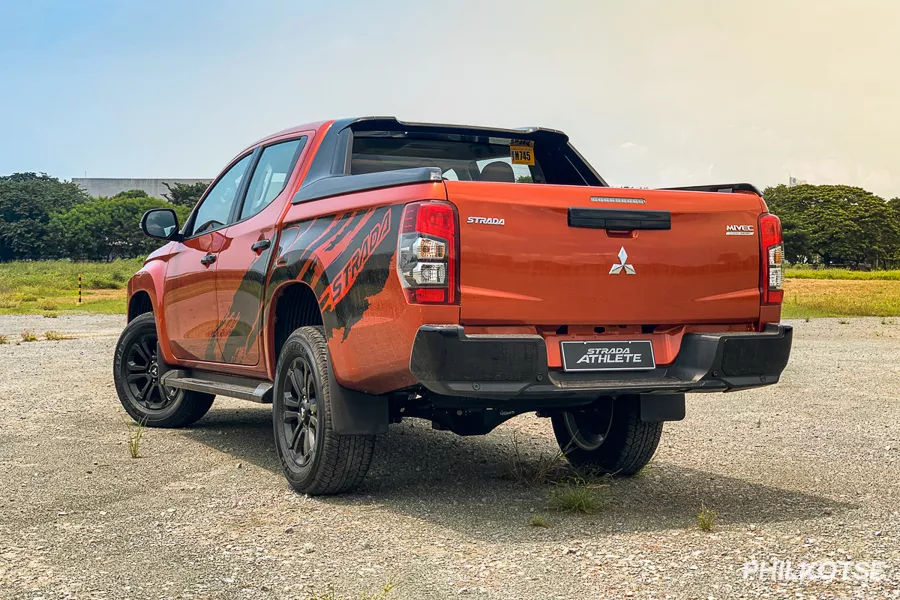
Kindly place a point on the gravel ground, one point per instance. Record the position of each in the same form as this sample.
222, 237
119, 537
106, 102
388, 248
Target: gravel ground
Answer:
805, 471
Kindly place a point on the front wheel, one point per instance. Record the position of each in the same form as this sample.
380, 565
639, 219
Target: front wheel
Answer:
137, 377
608, 436
314, 458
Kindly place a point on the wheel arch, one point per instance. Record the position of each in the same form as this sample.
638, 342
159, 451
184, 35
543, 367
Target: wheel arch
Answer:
139, 304
293, 305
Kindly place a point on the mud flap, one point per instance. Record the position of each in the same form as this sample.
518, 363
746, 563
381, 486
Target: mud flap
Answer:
356, 413
662, 407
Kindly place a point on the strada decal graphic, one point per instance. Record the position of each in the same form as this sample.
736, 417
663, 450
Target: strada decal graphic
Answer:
346, 277
344, 258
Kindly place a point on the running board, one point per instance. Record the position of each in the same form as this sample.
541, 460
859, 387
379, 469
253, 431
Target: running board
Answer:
253, 390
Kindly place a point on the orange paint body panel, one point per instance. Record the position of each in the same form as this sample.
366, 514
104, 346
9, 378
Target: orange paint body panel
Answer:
536, 269
189, 297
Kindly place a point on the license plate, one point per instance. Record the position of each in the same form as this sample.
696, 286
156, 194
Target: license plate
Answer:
635, 355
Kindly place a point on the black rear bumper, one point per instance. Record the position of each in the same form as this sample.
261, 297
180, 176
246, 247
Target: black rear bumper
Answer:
448, 362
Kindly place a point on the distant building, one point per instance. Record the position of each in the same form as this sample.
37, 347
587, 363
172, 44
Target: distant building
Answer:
110, 186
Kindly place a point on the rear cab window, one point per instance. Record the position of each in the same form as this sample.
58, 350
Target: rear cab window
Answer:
466, 157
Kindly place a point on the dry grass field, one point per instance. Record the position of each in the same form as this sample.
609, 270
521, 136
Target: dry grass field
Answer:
48, 287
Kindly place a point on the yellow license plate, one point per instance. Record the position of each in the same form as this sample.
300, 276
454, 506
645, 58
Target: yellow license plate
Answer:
522, 155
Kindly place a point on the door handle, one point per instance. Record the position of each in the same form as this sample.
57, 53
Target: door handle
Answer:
260, 245
208, 259
614, 219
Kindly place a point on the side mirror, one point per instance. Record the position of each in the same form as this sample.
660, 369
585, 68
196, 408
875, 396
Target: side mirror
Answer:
161, 223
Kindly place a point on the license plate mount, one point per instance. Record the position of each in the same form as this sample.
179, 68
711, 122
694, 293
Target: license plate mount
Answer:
625, 355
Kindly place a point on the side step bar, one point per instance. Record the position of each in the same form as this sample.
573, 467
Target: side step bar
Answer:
253, 390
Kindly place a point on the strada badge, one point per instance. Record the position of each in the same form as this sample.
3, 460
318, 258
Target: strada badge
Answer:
485, 221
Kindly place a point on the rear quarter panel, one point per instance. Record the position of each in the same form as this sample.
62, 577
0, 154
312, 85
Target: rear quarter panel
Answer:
344, 249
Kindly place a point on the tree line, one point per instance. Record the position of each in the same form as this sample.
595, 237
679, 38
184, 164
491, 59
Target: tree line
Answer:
43, 217
837, 225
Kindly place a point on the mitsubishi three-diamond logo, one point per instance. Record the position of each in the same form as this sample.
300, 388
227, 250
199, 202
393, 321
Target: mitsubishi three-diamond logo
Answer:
622, 265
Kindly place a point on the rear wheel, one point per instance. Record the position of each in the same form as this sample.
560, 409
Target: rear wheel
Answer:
137, 376
314, 458
608, 436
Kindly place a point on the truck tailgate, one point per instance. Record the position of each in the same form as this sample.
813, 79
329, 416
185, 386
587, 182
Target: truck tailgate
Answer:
567, 255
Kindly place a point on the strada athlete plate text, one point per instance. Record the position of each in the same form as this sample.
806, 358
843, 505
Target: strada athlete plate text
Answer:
607, 356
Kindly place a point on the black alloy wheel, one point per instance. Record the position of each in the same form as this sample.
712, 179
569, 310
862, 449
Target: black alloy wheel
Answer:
301, 412
137, 374
315, 459
142, 376
589, 428
608, 436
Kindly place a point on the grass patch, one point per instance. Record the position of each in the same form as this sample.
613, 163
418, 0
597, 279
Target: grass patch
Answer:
135, 434
805, 298
55, 336
3, 339
538, 521
47, 304
28, 336
33, 287
808, 273
8, 302
577, 495
547, 468
706, 518
114, 305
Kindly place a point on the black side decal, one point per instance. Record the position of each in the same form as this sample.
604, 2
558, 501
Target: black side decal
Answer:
345, 258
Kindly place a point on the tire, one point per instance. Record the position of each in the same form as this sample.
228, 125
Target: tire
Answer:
315, 460
608, 436
136, 374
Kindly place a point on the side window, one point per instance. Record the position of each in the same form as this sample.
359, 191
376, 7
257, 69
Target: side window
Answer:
216, 208
275, 165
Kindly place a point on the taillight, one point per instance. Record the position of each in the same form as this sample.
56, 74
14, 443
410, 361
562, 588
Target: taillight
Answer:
772, 247
427, 248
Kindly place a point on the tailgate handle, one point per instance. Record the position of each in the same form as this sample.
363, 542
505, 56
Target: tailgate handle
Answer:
614, 219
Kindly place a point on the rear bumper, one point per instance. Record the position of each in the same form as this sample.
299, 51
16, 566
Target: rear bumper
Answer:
448, 362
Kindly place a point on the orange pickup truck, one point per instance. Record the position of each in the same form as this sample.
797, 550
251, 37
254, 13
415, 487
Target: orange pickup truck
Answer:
357, 272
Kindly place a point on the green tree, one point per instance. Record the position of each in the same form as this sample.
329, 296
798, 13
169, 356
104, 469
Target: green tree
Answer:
107, 228
894, 260
185, 194
836, 223
27, 203
132, 194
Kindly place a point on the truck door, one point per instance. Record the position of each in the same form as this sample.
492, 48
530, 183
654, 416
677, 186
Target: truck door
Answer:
189, 298
249, 244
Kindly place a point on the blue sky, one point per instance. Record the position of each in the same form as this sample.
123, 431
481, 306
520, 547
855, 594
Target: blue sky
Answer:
652, 92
